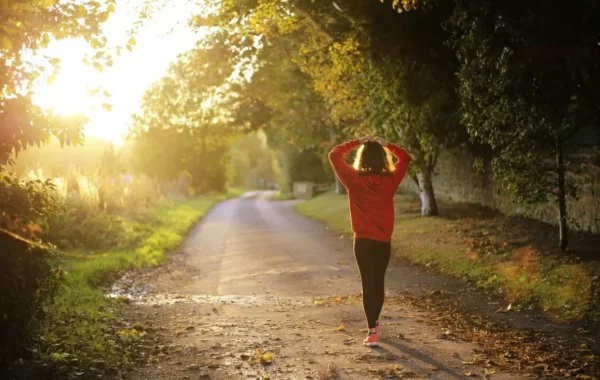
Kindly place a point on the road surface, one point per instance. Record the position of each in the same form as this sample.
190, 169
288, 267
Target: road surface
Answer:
254, 276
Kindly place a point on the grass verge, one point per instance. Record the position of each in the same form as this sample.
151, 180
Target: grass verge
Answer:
512, 256
82, 329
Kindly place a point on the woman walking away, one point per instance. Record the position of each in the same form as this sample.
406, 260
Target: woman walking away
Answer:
371, 185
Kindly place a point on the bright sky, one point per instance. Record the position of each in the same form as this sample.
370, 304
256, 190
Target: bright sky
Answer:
159, 41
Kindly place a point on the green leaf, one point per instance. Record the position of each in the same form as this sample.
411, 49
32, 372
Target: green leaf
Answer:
107, 106
98, 66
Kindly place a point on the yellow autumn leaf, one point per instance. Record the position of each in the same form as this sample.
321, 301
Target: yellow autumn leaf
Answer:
5, 43
45, 3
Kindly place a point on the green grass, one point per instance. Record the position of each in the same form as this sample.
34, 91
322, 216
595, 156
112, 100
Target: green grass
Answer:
80, 324
486, 249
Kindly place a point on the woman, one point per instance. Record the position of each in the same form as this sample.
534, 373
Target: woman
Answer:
371, 185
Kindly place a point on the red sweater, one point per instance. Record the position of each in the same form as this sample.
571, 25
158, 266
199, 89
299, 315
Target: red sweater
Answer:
371, 196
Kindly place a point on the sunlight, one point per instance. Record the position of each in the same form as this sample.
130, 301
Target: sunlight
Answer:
159, 41
68, 94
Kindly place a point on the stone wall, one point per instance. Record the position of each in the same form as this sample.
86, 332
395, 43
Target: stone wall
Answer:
457, 180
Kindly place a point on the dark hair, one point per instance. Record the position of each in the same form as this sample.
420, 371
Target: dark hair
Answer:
373, 158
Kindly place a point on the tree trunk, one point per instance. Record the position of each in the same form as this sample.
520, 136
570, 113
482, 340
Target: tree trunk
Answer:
339, 186
563, 227
285, 177
428, 202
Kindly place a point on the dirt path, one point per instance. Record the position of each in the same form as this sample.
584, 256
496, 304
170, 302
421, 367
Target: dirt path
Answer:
255, 276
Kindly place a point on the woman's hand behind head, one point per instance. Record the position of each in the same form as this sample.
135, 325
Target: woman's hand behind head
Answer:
380, 140
364, 139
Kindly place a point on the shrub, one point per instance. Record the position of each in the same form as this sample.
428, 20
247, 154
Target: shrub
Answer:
28, 279
25, 204
81, 229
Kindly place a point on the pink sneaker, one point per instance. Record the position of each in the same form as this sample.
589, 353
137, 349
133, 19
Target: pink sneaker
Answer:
372, 340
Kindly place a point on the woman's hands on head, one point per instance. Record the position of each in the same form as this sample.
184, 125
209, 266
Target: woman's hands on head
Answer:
364, 139
378, 139
381, 140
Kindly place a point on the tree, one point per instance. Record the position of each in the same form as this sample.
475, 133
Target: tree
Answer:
528, 86
252, 162
314, 58
30, 26
298, 120
411, 87
184, 127
377, 70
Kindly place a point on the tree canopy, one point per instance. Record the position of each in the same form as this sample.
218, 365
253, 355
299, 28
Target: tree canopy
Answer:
527, 85
28, 26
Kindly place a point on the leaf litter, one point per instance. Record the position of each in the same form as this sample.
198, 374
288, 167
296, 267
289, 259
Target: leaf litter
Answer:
509, 349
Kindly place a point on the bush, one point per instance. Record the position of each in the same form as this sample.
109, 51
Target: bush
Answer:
81, 229
28, 274
97, 210
28, 279
25, 204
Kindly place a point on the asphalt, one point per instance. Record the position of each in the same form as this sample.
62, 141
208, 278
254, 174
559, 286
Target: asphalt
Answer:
254, 276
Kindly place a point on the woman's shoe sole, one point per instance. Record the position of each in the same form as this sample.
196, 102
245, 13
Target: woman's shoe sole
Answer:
373, 344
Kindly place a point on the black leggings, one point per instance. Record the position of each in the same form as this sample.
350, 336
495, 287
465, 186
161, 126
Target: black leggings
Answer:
372, 258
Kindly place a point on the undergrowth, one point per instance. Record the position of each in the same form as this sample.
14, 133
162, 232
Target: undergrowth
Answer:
80, 331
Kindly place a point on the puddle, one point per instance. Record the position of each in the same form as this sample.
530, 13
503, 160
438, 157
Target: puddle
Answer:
247, 301
143, 294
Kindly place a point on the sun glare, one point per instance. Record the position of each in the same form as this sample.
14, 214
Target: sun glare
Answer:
68, 94
158, 44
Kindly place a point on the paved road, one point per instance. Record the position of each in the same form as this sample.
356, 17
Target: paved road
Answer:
255, 275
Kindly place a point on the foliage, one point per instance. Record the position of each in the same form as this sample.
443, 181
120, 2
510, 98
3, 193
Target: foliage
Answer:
30, 26
54, 160
182, 110
81, 326
365, 70
526, 86
252, 162
29, 274
25, 204
28, 279
412, 88
96, 209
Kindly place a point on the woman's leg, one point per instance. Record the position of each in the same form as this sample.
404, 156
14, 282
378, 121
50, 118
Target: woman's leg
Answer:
382, 254
372, 262
363, 252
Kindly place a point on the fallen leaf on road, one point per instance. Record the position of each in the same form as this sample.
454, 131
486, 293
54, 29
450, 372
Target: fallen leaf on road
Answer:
340, 327
264, 358
508, 308
470, 374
